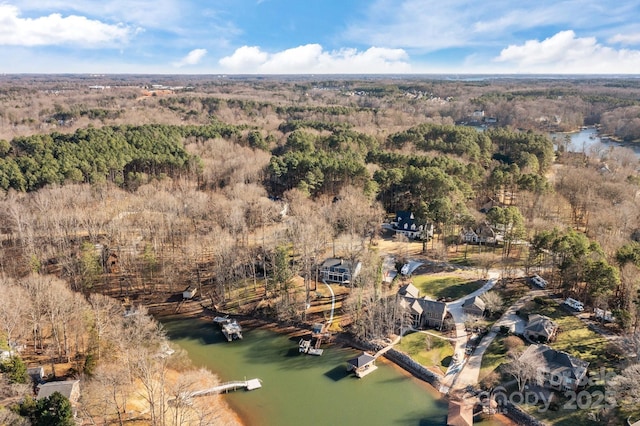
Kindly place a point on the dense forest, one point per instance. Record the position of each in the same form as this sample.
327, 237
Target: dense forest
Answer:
242, 187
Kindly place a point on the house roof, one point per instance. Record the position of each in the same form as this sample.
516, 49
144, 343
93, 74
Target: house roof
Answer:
409, 290
485, 230
460, 414
415, 307
474, 301
540, 324
406, 220
65, 388
439, 309
362, 360
332, 262
335, 264
558, 362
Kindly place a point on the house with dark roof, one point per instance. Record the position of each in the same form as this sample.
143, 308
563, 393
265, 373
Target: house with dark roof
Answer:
70, 389
557, 370
540, 329
339, 271
406, 224
424, 311
474, 306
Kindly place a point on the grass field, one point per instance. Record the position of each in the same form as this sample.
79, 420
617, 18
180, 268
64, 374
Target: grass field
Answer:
447, 286
562, 415
427, 350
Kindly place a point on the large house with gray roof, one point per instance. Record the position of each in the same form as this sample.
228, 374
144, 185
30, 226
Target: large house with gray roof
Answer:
557, 370
424, 312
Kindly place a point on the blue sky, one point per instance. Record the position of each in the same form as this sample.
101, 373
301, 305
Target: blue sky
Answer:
319, 36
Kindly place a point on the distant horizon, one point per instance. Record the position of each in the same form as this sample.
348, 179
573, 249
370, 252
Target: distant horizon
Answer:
280, 37
448, 76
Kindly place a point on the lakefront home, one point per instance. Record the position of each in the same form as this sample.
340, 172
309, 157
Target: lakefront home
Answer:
339, 271
424, 311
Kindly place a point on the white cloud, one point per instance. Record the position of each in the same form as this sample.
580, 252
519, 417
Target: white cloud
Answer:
633, 38
193, 58
244, 59
313, 59
147, 13
565, 53
55, 29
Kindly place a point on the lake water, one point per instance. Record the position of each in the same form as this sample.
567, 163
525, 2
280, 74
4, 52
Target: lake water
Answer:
301, 389
586, 139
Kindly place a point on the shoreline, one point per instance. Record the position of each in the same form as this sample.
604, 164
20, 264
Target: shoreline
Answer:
298, 331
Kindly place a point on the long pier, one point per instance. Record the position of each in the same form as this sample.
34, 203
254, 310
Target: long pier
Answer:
224, 387
229, 386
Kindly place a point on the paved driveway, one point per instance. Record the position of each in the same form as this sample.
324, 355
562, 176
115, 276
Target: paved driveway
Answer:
471, 371
455, 308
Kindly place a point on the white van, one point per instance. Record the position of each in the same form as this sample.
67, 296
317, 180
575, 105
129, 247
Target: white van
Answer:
538, 281
575, 304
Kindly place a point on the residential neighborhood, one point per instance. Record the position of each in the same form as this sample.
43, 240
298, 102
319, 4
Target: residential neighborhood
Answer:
464, 260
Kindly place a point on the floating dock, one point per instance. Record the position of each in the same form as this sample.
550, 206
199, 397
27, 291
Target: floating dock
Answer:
230, 328
304, 346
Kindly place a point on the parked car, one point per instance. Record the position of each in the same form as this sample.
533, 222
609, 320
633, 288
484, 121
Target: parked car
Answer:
538, 281
575, 304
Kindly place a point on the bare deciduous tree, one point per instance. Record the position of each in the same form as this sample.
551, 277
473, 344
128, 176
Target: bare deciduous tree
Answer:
524, 367
13, 310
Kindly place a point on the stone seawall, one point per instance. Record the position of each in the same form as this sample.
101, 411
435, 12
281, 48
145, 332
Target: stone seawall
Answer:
522, 418
404, 361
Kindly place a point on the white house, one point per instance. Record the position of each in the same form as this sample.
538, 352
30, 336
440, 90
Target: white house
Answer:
406, 224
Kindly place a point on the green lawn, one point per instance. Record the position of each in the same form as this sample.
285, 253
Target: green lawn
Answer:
416, 345
495, 355
452, 286
559, 415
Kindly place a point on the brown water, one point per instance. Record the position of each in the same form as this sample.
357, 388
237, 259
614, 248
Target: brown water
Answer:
300, 389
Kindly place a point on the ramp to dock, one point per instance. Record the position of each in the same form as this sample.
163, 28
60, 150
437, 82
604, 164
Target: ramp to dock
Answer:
387, 348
